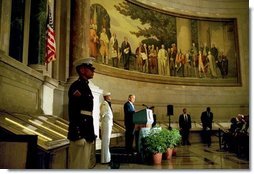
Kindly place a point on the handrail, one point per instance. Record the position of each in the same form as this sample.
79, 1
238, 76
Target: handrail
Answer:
119, 126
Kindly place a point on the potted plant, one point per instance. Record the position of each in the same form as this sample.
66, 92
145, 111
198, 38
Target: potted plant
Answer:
176, 139
154, 144
167, 136
172, 139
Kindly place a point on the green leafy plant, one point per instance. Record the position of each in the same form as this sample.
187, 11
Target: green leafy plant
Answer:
167, 137
173, 137
154, 142
159, 139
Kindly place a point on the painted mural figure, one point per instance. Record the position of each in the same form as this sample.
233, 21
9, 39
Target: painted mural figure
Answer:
126, 53
214, 52
104, 46
178, 62
114, 50
194, 58
144, 56
187, 65
183, 63
173, 55
204, 49
93, 41
162, 61
201, 67
171, 62
211, 65
140, 51
153, 62
223, 64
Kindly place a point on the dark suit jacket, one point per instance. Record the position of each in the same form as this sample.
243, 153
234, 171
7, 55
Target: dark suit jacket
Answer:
206, 120
183, 124
128, 115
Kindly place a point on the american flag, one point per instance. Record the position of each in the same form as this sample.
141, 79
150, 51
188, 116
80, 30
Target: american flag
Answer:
50, 39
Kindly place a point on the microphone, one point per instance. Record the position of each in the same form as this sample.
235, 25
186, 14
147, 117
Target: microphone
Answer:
145, 105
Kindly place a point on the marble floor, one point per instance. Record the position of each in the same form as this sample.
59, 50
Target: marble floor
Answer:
197, 156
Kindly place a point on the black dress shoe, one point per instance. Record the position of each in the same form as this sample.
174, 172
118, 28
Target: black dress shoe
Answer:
114, 165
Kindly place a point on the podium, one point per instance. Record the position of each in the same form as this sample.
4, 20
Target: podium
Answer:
142, 119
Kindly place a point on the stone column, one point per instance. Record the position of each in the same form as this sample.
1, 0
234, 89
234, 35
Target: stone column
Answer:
79, 35
79, 49
183, 30
5, 20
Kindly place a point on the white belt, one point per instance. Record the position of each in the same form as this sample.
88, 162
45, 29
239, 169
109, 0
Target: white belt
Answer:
89, 113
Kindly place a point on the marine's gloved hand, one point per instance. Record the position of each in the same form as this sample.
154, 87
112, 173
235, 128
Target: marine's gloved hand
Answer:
80, 142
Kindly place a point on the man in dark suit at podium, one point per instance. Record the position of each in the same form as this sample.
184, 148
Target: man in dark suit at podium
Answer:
129, 110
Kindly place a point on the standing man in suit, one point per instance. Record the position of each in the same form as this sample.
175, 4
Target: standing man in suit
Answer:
129, 110
185, 126
207, 119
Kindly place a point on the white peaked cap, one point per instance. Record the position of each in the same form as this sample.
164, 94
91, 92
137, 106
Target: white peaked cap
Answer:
106, 93
88, 61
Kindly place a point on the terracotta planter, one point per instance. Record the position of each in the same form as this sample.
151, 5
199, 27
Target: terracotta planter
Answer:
157, 158
168, 153
174, 152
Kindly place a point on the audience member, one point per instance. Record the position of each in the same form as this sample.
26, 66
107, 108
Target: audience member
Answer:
185, 126
207, 120
236, 138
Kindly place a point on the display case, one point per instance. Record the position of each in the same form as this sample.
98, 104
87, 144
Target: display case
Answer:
51, 131
18, 151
